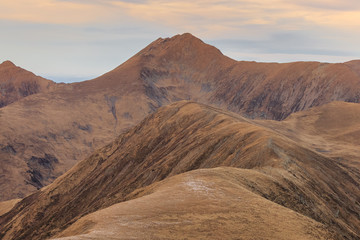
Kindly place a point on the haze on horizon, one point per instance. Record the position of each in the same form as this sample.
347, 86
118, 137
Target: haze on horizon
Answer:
72, 40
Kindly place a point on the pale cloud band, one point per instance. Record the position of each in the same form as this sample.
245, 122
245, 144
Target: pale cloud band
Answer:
223, 15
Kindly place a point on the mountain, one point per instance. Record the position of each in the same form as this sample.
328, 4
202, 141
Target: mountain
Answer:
45, 134
185, 68
17, 83
187, 136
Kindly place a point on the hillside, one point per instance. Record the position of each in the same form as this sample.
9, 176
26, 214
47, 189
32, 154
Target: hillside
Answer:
332, 130
45, 134
187, 136
17, 83
206, 203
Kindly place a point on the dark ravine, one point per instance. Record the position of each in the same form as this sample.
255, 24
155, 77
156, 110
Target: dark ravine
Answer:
186, 136
41, 170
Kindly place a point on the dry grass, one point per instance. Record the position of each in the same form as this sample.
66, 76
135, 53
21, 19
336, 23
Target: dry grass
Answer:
200, 204
187, 136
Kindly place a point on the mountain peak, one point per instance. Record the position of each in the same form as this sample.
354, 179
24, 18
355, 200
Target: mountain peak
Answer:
187, 37
181, 42
184, 48
7, 63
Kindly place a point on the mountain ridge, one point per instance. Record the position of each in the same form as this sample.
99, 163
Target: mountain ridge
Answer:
186, 136
66, 124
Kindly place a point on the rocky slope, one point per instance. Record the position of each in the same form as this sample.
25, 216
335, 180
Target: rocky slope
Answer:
187, 136
17, 83
43, 135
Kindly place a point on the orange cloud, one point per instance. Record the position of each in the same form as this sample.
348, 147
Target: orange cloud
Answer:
204, 17
52, 11
211, 17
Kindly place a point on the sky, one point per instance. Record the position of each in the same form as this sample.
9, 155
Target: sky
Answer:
74, 40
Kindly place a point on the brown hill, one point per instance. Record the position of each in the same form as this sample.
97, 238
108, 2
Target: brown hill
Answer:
354, 65
206, 203
187, 136
43, 135
332, 130
17, 83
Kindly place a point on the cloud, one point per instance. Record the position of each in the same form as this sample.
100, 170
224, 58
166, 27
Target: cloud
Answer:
202, 16
337, 5
210, 17
102, 2
58, 12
